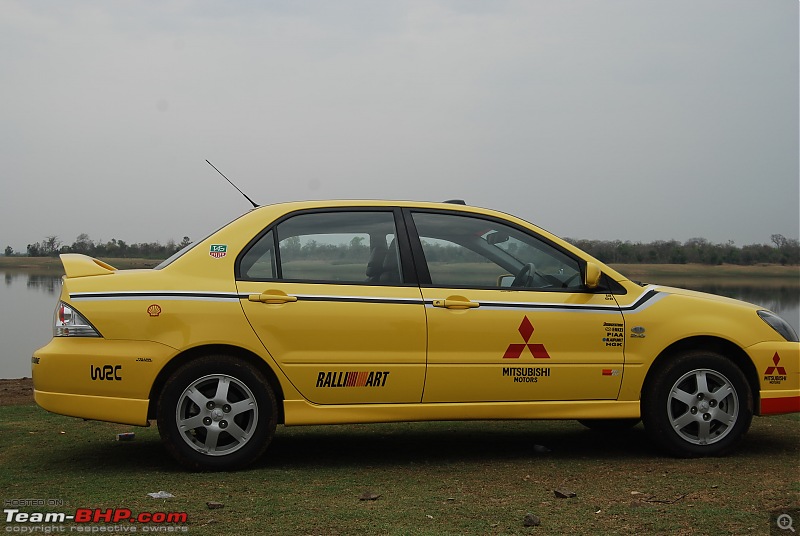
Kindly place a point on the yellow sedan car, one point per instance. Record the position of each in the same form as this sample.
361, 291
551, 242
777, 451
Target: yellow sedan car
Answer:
379, 311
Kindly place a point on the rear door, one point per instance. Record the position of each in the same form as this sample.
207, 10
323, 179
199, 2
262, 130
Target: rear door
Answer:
332, 302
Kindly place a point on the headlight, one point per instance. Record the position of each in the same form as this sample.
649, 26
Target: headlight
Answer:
68, 322
779, 324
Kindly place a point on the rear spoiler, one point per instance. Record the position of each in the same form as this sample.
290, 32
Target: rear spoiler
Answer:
77, 265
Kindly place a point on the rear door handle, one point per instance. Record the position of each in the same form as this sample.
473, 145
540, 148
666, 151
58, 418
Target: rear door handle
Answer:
272, 296
456, 302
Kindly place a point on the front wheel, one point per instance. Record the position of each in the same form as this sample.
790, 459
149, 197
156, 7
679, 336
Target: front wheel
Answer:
216, 413
697, 404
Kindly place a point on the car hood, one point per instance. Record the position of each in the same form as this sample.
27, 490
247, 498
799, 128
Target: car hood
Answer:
705, 296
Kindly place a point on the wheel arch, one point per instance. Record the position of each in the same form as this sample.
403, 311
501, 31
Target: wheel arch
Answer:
717, 345
193, 353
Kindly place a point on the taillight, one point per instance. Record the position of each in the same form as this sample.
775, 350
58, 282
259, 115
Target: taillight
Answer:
70, 323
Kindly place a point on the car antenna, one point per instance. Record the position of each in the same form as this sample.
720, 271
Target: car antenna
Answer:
227, 179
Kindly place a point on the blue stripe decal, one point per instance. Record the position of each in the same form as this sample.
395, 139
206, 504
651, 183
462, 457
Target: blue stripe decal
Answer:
649, 297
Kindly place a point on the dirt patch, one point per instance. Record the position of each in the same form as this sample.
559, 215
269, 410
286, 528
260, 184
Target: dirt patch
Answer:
14, 392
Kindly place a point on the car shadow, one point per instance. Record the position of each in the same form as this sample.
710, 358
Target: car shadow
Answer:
485, 442
401, 444
461, 443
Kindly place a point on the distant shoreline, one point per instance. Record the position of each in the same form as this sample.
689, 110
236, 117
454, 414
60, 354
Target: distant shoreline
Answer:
16, 391
53, 264
790, 274
723, 274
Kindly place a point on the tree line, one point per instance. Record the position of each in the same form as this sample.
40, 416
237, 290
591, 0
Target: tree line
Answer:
52, 246
696, 250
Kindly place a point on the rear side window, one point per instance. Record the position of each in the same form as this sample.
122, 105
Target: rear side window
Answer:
259, 261
352, 247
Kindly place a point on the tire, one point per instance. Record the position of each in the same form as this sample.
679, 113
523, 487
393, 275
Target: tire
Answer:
217, 413
697, 403
609, 425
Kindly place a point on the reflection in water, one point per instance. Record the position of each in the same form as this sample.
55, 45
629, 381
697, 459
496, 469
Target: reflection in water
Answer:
773, 298
49, 283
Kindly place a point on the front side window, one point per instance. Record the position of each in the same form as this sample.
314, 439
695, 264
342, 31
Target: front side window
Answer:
475, 252
354, 247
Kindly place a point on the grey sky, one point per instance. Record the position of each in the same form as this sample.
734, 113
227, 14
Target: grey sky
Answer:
634, 120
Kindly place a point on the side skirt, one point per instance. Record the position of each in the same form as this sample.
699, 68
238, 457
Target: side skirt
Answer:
301, 412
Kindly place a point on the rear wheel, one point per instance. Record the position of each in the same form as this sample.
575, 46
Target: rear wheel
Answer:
217, 413
697, 404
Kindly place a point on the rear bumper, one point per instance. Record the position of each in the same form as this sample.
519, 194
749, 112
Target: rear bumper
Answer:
96, 408
97, 379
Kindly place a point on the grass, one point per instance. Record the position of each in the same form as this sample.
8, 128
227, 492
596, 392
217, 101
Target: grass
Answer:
432, 478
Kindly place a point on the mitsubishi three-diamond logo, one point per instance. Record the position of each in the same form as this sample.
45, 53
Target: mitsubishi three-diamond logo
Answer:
515, 350
776, 374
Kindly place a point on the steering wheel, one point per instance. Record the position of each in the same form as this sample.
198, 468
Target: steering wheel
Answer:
521, 278
569, 280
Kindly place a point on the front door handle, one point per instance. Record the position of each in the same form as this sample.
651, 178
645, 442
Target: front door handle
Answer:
456, 302
272, 296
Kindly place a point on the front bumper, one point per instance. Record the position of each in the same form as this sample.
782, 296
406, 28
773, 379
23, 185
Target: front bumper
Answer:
778, 369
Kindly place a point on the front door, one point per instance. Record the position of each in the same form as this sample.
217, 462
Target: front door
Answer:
509, 318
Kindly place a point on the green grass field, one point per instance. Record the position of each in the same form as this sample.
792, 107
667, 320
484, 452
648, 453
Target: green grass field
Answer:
431, 478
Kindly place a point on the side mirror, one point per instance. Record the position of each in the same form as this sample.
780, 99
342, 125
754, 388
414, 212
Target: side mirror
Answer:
592, 277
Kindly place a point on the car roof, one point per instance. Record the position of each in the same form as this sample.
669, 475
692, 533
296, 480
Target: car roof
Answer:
369, 202
291, 206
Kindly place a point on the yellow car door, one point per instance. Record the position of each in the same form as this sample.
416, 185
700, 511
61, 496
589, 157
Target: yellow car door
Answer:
509, 317
331, 302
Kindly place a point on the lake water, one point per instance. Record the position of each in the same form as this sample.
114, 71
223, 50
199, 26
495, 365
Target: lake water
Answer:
28, 301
